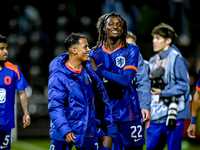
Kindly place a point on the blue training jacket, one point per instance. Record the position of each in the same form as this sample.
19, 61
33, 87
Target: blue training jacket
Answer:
69, 106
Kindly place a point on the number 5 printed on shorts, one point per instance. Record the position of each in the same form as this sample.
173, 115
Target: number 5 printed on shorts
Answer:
6, 142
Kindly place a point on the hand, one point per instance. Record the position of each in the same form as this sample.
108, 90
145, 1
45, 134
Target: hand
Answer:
26, 121
146, 115
191, 130
93, 64
70, 137
155, 91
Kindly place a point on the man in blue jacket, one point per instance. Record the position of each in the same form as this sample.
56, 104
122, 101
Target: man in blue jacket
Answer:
71, 98
170, 91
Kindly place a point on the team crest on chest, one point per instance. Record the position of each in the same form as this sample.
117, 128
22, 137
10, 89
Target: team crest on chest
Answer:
120, 61
2, 95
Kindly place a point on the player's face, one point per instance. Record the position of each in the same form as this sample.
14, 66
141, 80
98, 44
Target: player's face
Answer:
3, 52
159, 43
113, 27
83, 50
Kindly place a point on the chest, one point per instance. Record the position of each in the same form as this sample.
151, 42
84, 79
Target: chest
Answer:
114, 61
7, 78
81, 85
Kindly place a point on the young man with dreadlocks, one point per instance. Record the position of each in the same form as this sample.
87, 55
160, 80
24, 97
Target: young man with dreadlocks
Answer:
170, 100
116, 62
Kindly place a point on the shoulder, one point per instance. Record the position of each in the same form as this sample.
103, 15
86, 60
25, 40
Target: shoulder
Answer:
132, 46
133, 49
57, 78
100, 48
13, 67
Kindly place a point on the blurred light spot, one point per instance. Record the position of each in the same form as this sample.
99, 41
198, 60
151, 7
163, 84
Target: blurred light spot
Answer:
62, 21
60, 36
34, 71
59, 50
86, 21
32, 108
35, 52
28, 91
12, 38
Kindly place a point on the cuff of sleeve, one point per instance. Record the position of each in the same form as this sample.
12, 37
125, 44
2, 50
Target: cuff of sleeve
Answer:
146, 107
163, 93
64, 130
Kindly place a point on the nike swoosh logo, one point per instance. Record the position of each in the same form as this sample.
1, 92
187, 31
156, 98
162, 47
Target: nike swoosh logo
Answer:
135, 140
2, 147
178, 124
99, 65
72, 83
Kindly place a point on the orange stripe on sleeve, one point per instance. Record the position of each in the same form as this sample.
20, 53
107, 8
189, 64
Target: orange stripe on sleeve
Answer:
12, 67
198, 88
130, 67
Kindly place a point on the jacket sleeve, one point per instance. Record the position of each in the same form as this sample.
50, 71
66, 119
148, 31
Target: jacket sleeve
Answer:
102, 94
143, 84
57, 103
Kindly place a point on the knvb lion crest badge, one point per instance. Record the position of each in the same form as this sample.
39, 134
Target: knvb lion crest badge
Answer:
120, 61
2, 95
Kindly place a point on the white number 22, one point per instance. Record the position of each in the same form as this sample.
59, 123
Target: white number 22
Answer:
139, 135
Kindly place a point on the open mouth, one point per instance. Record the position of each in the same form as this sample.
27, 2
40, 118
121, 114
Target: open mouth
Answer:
5, 56
114, 32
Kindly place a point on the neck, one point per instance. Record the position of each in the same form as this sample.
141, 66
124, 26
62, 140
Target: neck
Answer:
2, 64
75, 64
111, 45
164, 49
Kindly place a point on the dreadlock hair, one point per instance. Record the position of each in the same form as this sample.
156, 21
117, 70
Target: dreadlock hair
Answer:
102, 35
165, 31
100, 19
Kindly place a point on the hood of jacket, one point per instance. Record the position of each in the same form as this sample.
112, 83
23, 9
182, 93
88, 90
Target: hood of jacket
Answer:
58, 64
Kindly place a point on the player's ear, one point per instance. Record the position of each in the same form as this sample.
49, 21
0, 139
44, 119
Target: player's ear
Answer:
74, 50
168, 40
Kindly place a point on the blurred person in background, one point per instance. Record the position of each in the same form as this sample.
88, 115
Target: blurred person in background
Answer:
195, 109
116, 62
131, 38
11, 79
170, 91
72, 83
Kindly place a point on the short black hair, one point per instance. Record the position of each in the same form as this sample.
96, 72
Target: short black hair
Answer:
72, 39
3, 39
165, 31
